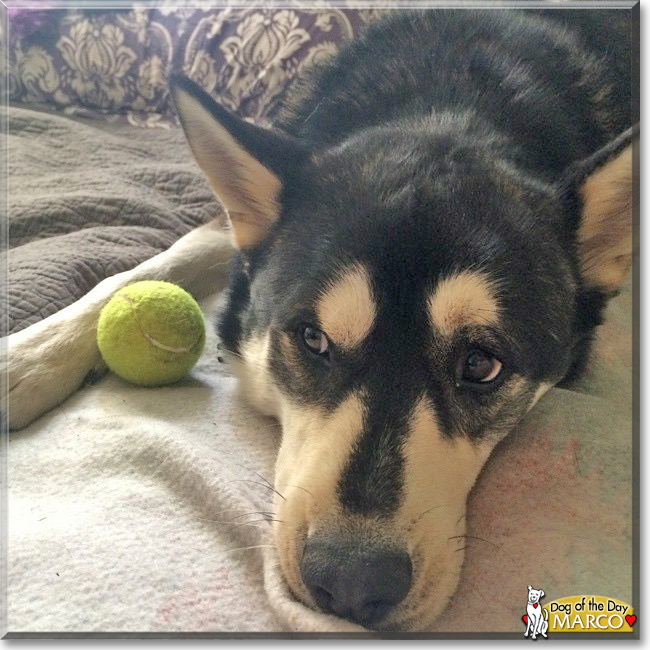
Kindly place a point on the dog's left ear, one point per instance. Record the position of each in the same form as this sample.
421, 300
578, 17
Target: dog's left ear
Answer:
246, 165
541, 593
600, 192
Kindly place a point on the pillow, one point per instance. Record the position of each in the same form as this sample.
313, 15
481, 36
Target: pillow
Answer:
118, 61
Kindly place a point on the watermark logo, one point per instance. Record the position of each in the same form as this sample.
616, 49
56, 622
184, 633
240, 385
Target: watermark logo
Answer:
576, 614
536, 617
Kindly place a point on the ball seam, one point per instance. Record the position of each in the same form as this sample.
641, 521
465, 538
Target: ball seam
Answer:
150, 338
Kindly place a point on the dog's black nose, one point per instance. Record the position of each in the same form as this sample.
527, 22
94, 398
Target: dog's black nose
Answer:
359, 582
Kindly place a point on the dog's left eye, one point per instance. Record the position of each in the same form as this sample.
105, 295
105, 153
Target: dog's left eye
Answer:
314, 340
480, 367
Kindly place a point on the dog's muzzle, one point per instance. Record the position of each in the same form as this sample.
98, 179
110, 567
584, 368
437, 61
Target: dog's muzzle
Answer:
357, 581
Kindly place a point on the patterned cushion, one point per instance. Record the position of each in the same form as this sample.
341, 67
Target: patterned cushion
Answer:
118, 61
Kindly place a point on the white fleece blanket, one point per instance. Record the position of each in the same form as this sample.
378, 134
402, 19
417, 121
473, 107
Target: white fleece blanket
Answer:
143, 510
133, 509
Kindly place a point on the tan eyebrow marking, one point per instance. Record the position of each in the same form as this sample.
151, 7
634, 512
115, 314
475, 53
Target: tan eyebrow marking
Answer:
464, 298
346, 309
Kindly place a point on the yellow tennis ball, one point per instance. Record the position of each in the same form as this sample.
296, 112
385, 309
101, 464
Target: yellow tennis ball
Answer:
151, 333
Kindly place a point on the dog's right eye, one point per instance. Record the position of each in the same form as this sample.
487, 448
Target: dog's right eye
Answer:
314, 340
479, 370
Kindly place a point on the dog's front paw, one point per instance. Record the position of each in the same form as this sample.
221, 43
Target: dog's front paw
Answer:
43, 365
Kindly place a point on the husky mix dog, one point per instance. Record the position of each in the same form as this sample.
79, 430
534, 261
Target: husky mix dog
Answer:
423, 245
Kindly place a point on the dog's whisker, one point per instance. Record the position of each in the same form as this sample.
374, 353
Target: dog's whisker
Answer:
255, 512
245, 514
219, 512
264, 479
268, 487
442, 505
255, 522
418, 518
232, 354
486, 541
246, 548
298, 487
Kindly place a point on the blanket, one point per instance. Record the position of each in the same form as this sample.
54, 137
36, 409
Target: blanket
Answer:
146, 509
86, 202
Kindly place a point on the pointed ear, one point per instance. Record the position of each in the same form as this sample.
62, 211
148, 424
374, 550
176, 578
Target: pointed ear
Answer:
601, 192
246, 165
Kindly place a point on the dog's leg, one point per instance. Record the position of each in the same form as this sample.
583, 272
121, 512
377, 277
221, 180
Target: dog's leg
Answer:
46, 362
533, 636
528, 625
543, 624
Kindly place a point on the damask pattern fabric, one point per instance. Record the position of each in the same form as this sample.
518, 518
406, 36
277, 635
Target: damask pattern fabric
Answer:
117, 63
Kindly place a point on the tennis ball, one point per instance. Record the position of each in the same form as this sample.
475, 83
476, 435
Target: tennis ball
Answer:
151, 333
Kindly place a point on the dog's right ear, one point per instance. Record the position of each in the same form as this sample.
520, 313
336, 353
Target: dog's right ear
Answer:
246, 165
529, 587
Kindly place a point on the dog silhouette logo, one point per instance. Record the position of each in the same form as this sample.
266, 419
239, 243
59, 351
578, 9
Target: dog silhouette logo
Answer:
536, 617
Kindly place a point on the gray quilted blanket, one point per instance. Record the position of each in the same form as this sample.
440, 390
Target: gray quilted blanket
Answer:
88, 200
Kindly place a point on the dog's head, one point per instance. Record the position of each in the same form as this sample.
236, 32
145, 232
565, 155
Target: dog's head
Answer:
402, 299
535, 594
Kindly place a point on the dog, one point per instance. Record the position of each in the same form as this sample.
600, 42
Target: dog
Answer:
420, 248
537, 615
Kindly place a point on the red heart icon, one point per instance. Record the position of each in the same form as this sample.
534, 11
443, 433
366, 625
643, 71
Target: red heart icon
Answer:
630, 619
536, 605
524, 618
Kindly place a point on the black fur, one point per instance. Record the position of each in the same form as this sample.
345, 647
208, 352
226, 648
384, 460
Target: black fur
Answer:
443, 140
529, 77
